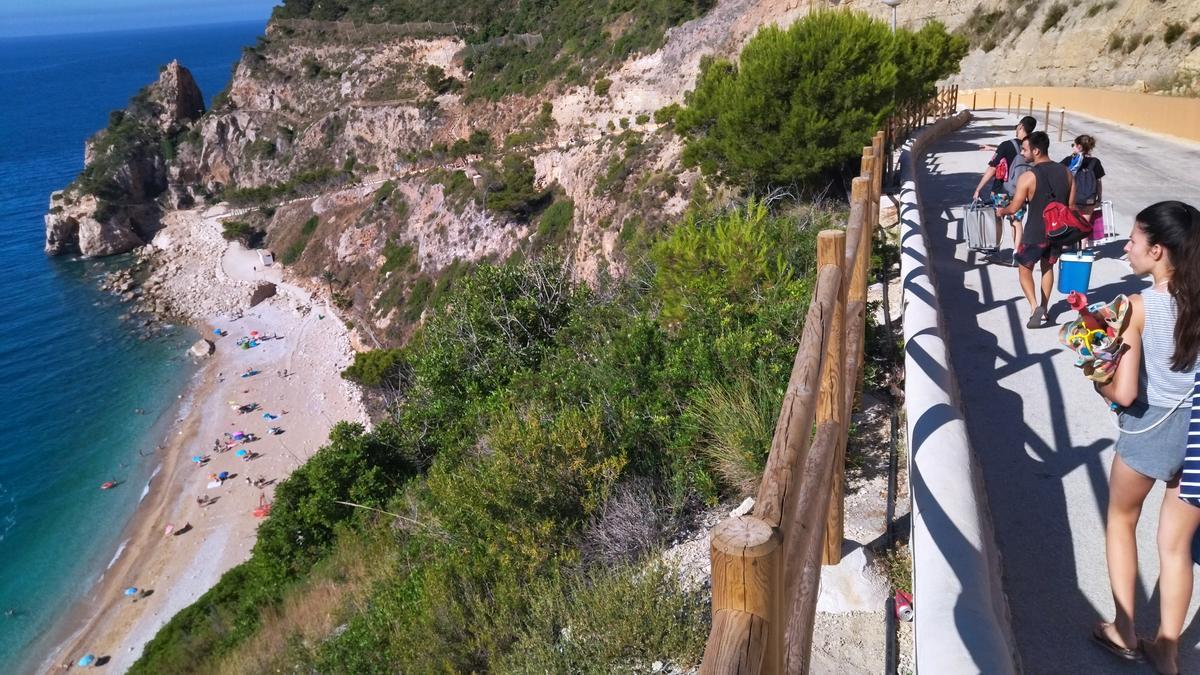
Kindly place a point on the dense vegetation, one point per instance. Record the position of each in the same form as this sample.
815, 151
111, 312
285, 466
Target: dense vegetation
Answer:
800, 103
545, 438
548, 437
574, 37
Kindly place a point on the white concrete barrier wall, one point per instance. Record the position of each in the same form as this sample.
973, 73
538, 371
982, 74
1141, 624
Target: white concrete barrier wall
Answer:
962, 618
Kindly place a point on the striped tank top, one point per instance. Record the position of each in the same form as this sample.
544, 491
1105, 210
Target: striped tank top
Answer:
1164, 387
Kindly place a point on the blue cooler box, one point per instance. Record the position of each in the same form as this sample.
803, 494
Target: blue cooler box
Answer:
1075, 272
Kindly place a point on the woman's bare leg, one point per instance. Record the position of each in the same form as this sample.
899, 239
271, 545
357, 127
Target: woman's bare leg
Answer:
1127, 489
1177, 525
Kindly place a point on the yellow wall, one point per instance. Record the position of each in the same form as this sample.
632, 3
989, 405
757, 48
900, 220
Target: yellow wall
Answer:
1176, 116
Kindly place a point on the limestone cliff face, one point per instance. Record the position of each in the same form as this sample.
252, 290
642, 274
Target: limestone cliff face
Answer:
338, 148
1096, 43
111, 208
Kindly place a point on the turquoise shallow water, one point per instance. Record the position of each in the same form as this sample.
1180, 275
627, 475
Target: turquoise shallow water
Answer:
71, 374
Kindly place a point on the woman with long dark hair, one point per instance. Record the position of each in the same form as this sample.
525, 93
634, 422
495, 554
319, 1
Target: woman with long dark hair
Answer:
1152, 383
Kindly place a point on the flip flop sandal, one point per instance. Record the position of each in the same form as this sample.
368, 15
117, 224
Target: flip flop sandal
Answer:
1035, 319
1142, 649
1115, 649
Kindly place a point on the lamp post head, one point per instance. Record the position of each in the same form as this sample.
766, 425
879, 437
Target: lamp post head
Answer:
891, 3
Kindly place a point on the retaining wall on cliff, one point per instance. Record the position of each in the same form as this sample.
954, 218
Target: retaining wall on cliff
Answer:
962, 619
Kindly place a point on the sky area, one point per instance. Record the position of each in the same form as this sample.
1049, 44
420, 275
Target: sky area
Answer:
63, 17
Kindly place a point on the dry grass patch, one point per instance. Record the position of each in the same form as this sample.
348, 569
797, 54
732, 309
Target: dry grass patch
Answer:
311, 612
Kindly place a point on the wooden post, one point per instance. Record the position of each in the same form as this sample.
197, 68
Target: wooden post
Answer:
745, 599
954, 102
973, 95
1018, 104
831, 250
866, 168
1008, 108
1062, 123
861, 190
994, 93
1031, 106
1046, 121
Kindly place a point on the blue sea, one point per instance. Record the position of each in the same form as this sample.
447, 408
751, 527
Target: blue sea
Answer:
83, 400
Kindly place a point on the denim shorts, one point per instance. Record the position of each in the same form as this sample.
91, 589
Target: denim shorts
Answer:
1157, 453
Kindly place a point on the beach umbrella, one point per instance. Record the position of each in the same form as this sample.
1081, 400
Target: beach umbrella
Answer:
238, 435
197, 459
169, 528
216, 331
224, 475
253, 333
87, 660
241, 453
268, 416
130, 591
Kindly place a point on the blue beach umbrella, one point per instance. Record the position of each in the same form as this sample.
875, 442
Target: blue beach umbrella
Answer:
197, 458
241, 453
216, 331
130, 591
87, 660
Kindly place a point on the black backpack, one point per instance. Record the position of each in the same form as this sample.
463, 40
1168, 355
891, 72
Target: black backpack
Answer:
1085, 183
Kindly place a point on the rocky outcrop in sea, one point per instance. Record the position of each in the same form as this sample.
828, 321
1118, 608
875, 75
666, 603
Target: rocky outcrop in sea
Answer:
114, 204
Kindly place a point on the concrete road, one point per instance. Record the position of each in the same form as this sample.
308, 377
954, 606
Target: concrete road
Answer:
1044, 439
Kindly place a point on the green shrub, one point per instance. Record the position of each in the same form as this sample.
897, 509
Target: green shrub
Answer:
510, 188
555, 222
1055, 14
375, 368
385, 190
787, 114
1115, 42
736, 421
1173, 31
666, 114
311, 67
642, 118
236, 230
296, 249
395, 256
614, 617
418, 298
1194, 40
602, 86
1100, 7
1133, 42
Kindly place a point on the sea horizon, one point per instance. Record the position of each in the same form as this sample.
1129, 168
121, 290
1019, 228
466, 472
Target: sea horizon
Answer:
86, 398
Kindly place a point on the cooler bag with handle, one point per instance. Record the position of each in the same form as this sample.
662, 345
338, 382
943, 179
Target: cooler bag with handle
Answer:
979, 221
1075, 272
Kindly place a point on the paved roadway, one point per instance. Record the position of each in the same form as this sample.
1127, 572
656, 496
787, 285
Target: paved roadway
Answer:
1043, 438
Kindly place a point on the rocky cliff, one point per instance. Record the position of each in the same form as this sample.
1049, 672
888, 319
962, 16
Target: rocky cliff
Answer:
112, 206
379, 161
1148, 45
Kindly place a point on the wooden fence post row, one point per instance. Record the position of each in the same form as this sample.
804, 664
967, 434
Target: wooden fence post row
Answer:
766, 565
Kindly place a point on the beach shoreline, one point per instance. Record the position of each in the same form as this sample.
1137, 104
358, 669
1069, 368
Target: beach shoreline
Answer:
312, 348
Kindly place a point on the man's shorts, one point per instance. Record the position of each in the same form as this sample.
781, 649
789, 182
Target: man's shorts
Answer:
1002, 199
1028, 255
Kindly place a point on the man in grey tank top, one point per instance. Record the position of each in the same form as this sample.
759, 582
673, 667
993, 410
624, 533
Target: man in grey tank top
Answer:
1048, 181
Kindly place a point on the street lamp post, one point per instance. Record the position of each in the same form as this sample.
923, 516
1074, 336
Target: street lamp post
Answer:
893, 4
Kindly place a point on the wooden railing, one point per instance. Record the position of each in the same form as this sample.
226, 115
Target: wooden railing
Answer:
766, 565
911, 116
